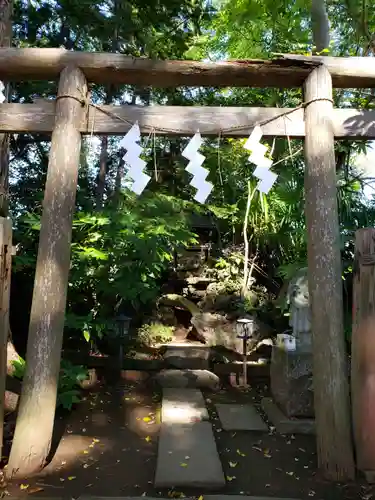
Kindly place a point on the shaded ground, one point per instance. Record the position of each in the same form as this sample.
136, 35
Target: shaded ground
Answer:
271, 464
109, 448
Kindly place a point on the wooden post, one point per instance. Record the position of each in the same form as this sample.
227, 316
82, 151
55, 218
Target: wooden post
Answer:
32, 438
331, 394
5, 273
363, 351
6, 11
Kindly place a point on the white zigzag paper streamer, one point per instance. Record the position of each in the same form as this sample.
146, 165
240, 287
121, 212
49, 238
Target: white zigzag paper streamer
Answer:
133, 160
195, 168
2, 95
262, 172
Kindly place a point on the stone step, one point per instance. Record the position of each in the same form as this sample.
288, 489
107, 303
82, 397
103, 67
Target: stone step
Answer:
187, 457
183, 406
237, 417
199, 379
187, 356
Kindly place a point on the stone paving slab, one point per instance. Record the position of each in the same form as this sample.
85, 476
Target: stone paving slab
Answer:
284, 424
206, 497
187, 457
236, 417
183, 406
199, 379
187, 357
242, 497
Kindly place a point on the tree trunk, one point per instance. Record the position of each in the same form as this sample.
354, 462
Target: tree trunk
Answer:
363, 351
331, 392
320, 26
5, 270
6, 11
103, 161
33, 434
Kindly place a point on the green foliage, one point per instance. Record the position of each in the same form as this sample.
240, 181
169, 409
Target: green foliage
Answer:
154, 333
68, 392
122, 251
19, 367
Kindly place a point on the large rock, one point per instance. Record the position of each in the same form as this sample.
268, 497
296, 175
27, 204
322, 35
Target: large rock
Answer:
218, 330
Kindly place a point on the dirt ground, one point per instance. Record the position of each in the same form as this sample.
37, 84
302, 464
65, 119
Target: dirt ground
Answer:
109, 446
273, 465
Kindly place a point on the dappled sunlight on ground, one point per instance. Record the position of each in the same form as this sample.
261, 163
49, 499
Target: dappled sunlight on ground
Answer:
142, 420
108, 447
76, 449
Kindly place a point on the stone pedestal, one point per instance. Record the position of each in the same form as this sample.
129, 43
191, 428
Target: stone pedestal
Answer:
291, 381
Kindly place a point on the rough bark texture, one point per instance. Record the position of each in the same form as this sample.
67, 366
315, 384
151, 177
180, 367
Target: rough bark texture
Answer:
99, 67
5, 272
6, 11
103, 160
320, 25
363, 349
331, 395
35, 419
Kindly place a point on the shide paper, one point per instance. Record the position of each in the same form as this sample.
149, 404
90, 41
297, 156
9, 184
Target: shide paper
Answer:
263, 164
195, 168
139, 179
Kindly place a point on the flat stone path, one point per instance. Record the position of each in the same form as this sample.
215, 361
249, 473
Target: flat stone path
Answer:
237, 417
187, 457
183, 406
187, 453
206, 497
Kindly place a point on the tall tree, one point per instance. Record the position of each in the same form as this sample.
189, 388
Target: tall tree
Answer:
320, 25
35, 419
334, 441
6, 10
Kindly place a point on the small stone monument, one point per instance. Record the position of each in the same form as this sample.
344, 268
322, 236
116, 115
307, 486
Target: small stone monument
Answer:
291, 408
291, 371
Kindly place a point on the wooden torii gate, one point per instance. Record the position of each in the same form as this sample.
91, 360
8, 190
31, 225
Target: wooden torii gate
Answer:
315, 120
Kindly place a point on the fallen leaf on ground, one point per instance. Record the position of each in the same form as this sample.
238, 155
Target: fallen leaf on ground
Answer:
24, 486
36, 489
70, 478
233, 464
183, 464
239, 452
230, 478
